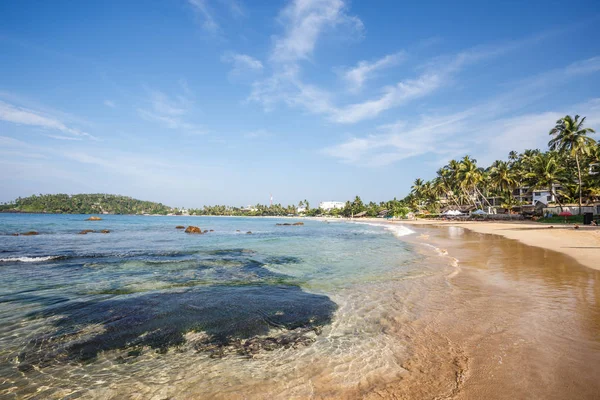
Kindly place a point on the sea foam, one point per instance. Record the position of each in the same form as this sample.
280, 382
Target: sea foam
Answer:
397, 230
29, 259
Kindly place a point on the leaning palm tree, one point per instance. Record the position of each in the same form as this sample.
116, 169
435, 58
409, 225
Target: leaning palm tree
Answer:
569, 136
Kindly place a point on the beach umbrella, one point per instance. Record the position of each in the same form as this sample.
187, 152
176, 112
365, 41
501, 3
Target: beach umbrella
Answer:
479, 212
565, 214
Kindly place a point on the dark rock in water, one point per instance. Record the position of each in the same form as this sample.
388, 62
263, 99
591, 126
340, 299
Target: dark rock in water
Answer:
193, 229
216, 319
86, 231
284, 224
206, 231
249, 233
94, 219
298, 223
212, 230
14, 234
30, 233
104, 231
180, 227
237, 230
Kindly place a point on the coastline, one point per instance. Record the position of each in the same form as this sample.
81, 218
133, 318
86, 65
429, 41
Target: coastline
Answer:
583, 244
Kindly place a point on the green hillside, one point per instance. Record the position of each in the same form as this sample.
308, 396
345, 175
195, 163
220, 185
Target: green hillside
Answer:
84, 204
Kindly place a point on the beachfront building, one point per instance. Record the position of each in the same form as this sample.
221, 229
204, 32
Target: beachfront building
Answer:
301, 209
330, 205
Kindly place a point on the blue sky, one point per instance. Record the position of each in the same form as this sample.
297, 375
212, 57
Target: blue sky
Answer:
193, 102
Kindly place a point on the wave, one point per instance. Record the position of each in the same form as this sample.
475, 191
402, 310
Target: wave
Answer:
397, 230
30, 259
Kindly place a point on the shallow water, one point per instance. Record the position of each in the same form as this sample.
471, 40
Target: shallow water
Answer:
324, 310
83, 314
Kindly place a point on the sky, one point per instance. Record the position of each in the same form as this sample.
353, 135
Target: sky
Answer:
198, 102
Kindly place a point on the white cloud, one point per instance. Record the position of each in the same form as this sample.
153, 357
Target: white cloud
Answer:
394, 142
170, 111
242, 63
491, 127
205, 15
60, 137
23, 116
109, 103
286, 87
393, 96
304, 21
258, 134
365, 70
235, 7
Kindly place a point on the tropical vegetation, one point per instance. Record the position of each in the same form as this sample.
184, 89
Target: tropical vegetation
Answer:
569, 170
84, 204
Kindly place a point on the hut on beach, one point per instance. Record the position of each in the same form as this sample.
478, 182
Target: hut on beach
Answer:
360, 215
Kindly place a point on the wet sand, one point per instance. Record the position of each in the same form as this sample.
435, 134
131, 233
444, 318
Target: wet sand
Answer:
583, 244
518, 322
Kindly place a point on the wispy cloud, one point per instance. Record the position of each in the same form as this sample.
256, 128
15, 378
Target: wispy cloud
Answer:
241, 64
258, 134
109, 103
236, 8
170, 112
307, 20
490, 126
205, 15
60, 137
23, 116
304, 21
364, 70
392, 96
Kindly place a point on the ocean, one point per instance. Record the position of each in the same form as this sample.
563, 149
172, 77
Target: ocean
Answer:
149, 311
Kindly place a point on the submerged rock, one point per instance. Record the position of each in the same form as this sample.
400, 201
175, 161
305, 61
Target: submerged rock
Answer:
298, 223
284, 224
212, 230
180, 227
206, 231
216, 319
193, 229
93, 218
249, 233
104, 231
30, 233
86, 231
14, 234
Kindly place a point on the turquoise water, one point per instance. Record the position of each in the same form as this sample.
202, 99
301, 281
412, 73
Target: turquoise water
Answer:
83, 314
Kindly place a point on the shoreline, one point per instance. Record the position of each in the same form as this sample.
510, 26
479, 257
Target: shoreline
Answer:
583, 245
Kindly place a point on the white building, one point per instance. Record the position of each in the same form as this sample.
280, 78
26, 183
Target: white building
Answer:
330, 205
301, 210
544, 196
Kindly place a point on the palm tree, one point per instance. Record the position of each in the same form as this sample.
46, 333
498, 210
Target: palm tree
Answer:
569, 136
501, 176
545, 172
471, 177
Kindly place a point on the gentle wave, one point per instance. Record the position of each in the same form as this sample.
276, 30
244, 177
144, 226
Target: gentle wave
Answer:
30, 259
397, 230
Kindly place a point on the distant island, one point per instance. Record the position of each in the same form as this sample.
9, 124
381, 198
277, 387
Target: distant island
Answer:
84, 204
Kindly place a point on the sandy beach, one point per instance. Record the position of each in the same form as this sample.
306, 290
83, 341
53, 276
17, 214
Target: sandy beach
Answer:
581, 244
521, 318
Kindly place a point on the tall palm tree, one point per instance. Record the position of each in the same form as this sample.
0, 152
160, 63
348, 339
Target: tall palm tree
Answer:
569, 136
